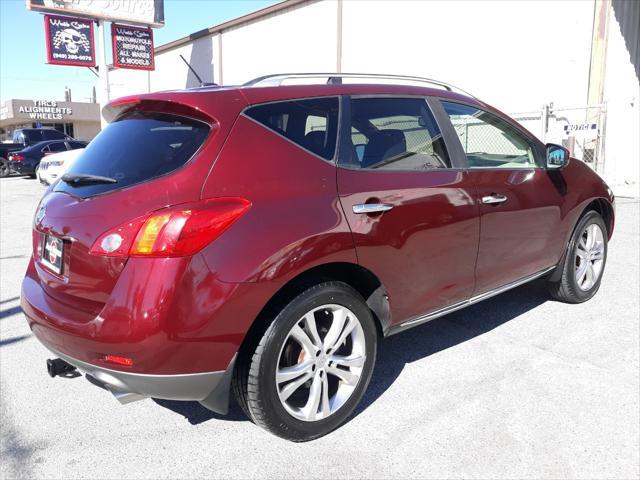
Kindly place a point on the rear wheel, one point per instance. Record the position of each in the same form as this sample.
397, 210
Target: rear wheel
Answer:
4, 168
585, 261
312, 365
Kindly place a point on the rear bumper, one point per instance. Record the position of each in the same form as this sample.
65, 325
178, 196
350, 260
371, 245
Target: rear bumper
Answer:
209, 388
183, 340
22, 168
166, 331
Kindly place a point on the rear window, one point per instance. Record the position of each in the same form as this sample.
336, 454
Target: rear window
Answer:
135, 149
52, 134
311, 124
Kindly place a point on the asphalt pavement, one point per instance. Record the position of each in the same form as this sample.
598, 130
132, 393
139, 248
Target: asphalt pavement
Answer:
516, 387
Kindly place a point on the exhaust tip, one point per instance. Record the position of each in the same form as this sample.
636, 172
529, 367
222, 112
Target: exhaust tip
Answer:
57, 366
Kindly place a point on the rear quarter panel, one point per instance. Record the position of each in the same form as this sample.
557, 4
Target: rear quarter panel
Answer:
295, 221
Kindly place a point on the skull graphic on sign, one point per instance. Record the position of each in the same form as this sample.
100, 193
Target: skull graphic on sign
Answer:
71, 39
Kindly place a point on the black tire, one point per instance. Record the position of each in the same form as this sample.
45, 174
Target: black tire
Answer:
4, 168
567, 289
254, 380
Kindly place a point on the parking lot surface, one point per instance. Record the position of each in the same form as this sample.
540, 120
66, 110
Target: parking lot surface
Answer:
516, 387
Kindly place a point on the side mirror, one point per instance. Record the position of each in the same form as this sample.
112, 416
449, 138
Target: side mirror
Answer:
557, 156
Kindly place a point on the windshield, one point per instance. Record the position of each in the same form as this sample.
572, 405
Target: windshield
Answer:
135, 149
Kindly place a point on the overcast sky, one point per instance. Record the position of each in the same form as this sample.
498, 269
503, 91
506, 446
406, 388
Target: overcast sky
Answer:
23, 69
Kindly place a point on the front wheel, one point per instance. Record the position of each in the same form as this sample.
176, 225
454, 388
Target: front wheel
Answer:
585, 261
312, 366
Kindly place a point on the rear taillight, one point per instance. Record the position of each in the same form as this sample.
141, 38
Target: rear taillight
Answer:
124, 361
16, 158
176, 231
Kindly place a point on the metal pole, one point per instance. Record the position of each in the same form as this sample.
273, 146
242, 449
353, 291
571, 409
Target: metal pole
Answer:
103, 72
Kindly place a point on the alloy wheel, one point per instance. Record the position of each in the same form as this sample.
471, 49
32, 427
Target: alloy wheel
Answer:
589, 259
320, 363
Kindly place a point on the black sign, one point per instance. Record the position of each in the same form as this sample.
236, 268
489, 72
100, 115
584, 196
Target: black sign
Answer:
69, 41
132, 47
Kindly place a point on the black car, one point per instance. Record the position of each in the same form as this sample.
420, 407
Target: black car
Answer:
25, 161
23, 138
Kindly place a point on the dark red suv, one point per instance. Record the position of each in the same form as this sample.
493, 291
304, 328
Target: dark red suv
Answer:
263, 238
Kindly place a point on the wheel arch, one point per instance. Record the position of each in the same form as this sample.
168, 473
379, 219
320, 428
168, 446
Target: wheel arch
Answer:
365, 282
604, 209
599, 205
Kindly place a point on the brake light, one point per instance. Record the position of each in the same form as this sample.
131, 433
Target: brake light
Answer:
172, 232
17, 158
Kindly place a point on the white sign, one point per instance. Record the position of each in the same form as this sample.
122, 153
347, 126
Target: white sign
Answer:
45, 110
146, 12
583, 129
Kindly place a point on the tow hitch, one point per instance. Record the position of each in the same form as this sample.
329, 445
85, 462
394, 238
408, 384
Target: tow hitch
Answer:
57, 366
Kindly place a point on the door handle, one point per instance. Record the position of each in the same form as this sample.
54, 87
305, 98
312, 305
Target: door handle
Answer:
492, 199
365, 208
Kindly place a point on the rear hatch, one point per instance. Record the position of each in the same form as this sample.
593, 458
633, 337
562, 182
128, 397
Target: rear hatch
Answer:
156, 153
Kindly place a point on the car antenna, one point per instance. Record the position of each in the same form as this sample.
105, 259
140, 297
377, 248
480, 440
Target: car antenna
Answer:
202, 84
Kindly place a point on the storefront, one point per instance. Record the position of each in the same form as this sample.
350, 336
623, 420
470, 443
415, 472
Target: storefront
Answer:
80, 120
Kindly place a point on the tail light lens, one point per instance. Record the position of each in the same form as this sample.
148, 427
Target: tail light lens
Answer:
124, 361
17, 158
172, 232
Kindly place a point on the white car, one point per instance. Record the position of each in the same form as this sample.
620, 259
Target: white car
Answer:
53, 166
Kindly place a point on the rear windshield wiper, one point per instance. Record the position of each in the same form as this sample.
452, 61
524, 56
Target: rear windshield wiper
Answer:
77, 178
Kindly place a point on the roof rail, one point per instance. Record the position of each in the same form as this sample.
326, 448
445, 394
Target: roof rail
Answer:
336, 79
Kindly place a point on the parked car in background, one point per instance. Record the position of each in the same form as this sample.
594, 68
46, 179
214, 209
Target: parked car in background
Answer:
22, 138
261, 239
26, 161
53, 166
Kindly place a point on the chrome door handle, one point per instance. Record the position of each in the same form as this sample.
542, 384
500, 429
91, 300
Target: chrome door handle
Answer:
490, 199
372, 208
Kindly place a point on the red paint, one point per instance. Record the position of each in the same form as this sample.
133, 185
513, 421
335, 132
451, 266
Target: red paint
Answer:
188, 314
424, 250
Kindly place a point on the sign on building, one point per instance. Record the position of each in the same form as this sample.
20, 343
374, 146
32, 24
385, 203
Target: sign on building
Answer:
147, 12
69, 41
45, 110
132, 47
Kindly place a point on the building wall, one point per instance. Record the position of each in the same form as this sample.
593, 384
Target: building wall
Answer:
86, 130
622, 99
302, 39
516, 56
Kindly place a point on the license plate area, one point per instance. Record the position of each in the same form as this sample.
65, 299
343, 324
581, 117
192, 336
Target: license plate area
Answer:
53, 253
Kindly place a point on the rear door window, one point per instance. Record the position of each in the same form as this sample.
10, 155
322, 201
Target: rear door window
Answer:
134, 149
311, 123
